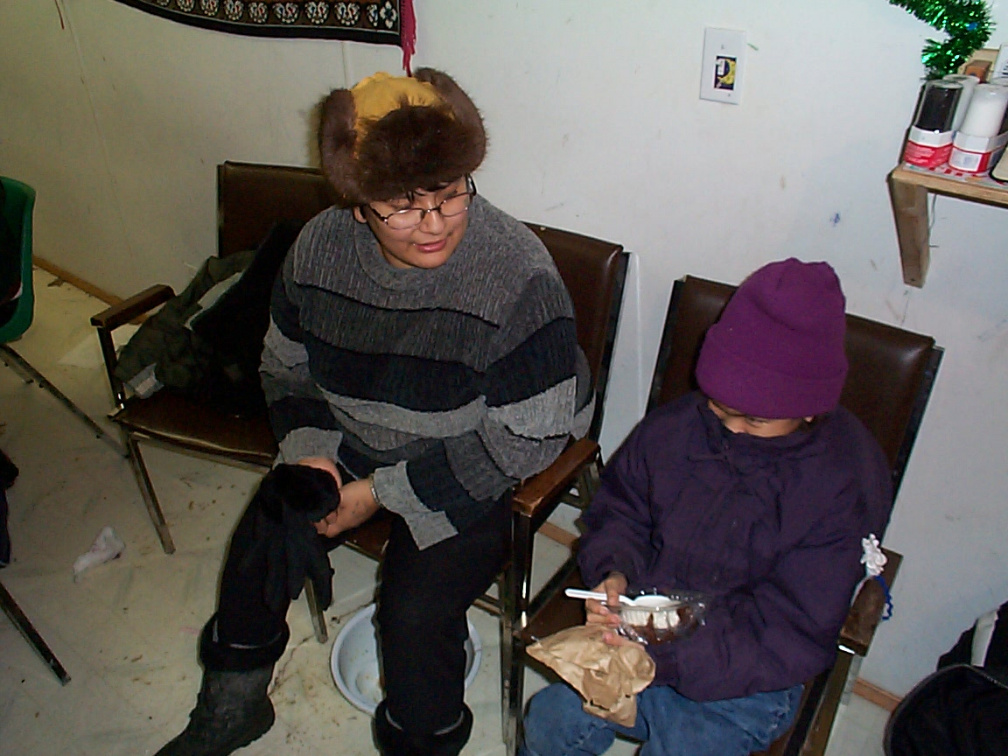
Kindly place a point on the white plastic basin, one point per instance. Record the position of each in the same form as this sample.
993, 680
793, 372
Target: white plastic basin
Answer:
354, 660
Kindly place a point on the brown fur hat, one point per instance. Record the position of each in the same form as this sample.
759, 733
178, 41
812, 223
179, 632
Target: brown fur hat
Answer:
407, 143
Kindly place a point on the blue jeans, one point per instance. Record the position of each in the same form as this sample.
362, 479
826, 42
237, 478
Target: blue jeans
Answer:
667, 723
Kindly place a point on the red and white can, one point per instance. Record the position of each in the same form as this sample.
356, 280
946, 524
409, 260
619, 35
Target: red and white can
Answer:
927, 149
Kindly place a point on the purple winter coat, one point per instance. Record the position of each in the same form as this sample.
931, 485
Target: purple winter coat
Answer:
770, 529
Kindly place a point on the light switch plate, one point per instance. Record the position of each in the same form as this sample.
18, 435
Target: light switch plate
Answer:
723, 65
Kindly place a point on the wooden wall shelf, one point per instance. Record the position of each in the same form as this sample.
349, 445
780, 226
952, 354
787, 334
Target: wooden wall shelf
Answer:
908, 192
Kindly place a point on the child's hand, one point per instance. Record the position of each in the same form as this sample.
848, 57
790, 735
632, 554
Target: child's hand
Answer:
612, 638
597, 612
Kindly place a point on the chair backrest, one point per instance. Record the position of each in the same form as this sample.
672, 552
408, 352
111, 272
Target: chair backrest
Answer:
18, 205
252, 197
888, 384
594, 272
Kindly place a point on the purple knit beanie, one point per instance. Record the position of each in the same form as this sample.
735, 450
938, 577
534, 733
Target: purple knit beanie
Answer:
778, 349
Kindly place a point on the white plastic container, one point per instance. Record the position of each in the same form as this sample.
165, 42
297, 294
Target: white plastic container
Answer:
986, 111
354, 660
968, 82
973, 154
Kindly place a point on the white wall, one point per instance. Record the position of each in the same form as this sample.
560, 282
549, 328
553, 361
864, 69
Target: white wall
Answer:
118, 119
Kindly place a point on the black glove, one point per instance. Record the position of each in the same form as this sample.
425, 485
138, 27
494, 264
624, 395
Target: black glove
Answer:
290, 499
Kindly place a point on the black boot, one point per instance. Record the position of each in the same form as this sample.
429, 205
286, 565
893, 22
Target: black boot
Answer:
231, 711
393, 741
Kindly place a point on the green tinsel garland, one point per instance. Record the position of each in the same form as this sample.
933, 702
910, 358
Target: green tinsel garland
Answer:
967, 22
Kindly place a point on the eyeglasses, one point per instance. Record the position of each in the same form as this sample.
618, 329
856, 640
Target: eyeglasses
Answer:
449, 207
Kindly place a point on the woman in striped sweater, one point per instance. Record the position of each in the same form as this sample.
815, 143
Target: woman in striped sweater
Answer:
422, 348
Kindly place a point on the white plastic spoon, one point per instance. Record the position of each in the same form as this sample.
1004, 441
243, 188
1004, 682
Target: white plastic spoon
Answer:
647, 601
578, 593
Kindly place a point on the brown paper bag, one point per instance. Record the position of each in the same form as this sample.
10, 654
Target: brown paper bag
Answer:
607, 677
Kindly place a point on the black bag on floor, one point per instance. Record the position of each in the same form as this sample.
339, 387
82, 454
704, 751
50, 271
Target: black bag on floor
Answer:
962, 709
10, 265
8, 473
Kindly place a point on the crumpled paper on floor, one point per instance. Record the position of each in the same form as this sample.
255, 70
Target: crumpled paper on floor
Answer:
607, 677
106, 547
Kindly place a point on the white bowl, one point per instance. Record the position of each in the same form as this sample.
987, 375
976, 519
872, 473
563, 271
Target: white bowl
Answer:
354, 660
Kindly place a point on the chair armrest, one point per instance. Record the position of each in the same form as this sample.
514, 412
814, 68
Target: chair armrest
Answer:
132, 308
549, 485
866, 611
111, 318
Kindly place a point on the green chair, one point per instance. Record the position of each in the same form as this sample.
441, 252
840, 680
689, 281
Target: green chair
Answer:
17, 201
18, 204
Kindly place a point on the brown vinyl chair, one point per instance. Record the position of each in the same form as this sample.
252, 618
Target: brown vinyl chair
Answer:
888, 385
251, 198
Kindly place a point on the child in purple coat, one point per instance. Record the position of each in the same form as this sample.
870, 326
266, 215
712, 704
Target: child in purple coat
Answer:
757, 492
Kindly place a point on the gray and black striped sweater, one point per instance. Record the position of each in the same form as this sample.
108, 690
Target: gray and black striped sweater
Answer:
449, 384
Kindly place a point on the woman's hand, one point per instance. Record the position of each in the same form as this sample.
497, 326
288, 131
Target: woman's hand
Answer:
322, 463
338, 520
356, 506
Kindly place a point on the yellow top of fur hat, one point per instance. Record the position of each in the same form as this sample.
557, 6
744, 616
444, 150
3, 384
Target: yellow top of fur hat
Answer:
378, 95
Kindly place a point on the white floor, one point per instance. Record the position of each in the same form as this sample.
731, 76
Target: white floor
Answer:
126, 631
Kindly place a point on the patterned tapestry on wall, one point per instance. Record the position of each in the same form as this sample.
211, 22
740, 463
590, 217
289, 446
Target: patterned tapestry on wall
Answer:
380, 21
